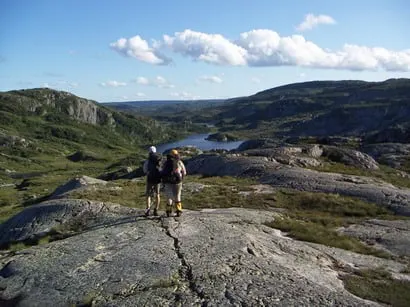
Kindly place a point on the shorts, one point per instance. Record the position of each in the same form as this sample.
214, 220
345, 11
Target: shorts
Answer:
152, 189
173, 191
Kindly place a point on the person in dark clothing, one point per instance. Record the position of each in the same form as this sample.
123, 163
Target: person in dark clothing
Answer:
151, 168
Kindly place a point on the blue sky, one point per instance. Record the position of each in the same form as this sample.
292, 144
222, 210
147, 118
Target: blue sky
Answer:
148, 50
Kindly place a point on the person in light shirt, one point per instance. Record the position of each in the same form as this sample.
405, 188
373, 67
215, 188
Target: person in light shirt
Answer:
173, 173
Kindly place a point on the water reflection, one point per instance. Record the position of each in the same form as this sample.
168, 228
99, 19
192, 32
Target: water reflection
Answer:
198, 140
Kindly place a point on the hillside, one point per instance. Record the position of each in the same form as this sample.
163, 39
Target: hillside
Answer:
61, 115
326, 108
43, 131
374, 111
270, 223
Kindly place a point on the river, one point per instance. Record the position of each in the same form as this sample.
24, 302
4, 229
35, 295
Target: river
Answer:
198, 140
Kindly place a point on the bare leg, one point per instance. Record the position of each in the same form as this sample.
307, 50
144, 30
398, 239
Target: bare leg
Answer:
178, 203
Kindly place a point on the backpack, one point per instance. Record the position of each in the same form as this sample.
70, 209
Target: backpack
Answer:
170, 172
154, 175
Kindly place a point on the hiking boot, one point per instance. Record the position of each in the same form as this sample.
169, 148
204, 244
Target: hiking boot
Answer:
147, 212
179, 213
169, 213
155, 212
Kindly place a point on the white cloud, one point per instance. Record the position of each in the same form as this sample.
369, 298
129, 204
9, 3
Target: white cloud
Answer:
264, 47
142, 80
138, 48
255, 80
60, 85
211, 79
139, 94
302, 75
161, 82
211, 48
184, 95
112, 84
311, 21
158, 81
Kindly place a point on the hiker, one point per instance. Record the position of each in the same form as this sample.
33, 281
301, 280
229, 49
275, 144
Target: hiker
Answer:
151, 168
173, 173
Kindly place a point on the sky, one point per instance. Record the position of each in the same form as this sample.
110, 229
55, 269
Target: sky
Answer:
127, 50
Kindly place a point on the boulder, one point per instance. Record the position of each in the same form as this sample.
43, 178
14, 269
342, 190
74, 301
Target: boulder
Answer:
350, 157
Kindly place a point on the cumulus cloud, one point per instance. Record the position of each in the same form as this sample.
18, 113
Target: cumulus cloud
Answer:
113, 83
311, 21
158, 81
211, 79
264, 47
211, 48
138, 48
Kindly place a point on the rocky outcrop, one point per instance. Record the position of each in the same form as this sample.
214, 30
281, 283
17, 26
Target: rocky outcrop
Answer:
40, 101
395, 155
225, 257
279, 175
307, 155
221, 137
74, 214
76, 183
350, 157
393, 236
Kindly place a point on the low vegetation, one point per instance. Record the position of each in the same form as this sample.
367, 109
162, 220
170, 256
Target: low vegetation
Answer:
379, 285
35, 161
385, 173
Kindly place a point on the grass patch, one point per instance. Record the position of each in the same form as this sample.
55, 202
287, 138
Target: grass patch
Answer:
384, 173
223, 192
313, 217
328, 209
378, 285
317, 233
125, 192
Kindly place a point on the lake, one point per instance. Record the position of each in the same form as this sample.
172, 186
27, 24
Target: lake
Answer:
198, 140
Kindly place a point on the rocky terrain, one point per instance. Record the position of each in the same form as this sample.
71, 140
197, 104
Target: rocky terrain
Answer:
222, 257
77, 235
105, 254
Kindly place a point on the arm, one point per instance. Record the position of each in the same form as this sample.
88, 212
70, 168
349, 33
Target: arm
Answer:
183, 169
145, 167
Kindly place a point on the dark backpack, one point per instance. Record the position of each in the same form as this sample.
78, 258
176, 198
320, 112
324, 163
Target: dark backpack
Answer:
170, 173
154, 175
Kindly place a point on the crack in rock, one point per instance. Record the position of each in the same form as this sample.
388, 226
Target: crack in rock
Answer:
185, 270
